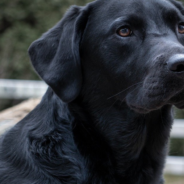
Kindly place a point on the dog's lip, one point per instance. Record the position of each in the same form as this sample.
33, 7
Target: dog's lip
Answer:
143, 102
139, 109
180, 104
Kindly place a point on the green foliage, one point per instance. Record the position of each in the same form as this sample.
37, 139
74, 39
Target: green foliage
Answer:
177, 147
21, 22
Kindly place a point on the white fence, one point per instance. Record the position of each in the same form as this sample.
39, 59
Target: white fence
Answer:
174, 165
23, 89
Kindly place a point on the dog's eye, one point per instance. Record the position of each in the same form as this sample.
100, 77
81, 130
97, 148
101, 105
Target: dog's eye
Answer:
181, 28
124, 31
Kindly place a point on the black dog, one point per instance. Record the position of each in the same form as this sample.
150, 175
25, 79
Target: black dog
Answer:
114, 70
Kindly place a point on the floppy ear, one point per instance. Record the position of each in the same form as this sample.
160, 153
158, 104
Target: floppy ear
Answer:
55, 56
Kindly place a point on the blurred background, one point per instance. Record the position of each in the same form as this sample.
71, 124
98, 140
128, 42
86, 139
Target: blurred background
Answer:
23, 21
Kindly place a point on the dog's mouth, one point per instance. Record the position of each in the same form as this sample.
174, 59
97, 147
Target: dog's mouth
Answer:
180, 105
144, 101
178, 100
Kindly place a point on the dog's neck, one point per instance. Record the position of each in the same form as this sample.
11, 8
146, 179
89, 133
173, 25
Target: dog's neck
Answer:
129, 139
115, 137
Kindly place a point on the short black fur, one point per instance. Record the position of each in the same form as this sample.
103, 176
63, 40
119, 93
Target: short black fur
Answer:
107, 114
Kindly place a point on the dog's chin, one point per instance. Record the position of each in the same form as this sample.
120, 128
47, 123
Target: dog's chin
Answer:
178, 100
143, 104
143, 101
146, 108
138, 109
180, 105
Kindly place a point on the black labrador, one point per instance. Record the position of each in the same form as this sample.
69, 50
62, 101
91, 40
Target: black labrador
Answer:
114, 70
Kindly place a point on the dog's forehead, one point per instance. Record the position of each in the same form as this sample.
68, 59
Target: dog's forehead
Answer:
112, 9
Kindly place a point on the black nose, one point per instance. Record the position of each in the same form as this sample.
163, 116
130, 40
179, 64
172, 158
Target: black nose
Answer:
176, 63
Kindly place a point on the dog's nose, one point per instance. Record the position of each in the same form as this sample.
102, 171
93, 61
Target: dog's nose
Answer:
176, 63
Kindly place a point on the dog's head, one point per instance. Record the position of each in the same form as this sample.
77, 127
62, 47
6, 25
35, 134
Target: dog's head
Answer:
131, 51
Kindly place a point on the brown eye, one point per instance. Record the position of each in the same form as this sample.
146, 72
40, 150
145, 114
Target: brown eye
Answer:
181, 28
124, 31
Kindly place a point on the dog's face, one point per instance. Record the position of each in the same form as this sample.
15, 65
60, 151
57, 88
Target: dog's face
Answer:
136, 46
140, 44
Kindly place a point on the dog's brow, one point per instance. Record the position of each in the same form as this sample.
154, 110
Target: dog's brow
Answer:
132, 19
171, 14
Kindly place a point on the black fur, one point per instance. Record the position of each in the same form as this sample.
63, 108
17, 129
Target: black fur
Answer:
107, 114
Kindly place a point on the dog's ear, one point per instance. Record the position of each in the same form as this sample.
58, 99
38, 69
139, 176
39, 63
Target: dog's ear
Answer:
55, 56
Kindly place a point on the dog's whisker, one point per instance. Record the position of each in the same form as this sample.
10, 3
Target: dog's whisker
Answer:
124, 90
125, 97
110, 107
